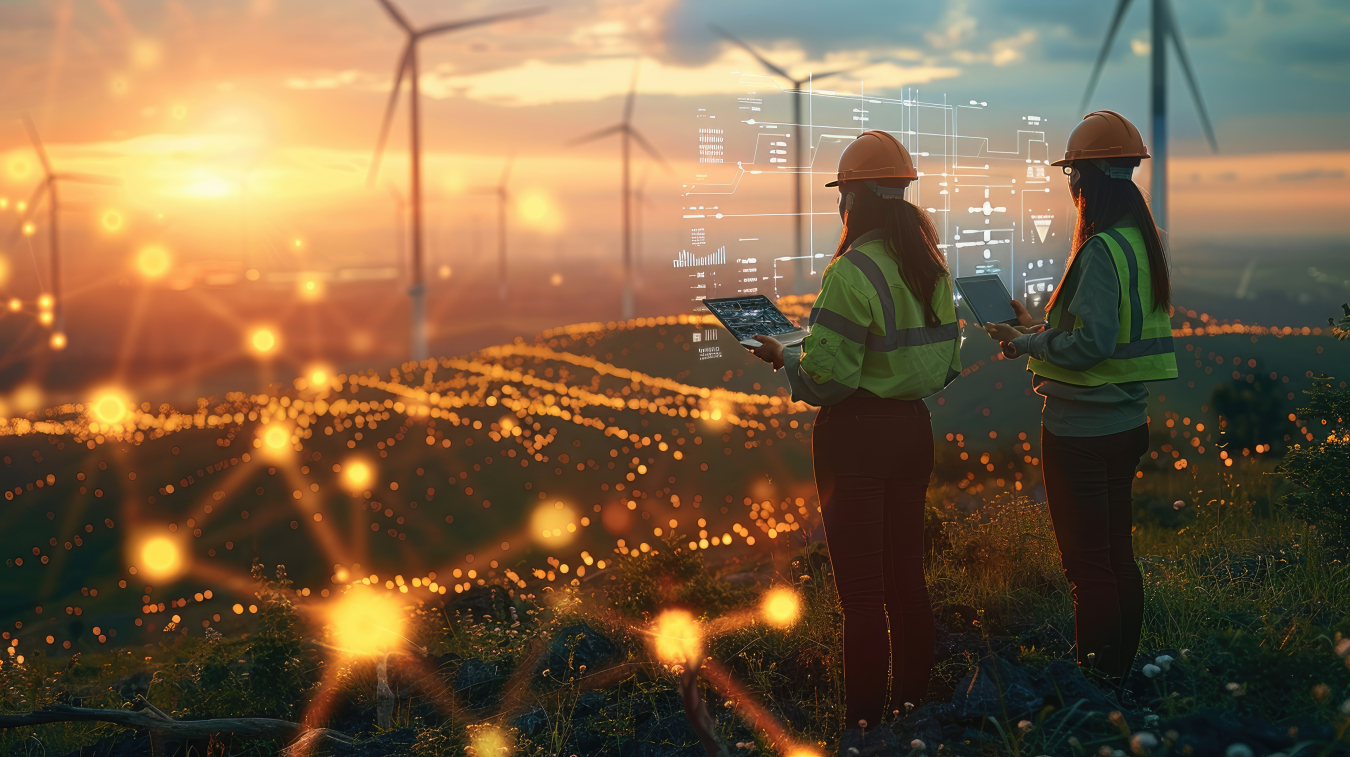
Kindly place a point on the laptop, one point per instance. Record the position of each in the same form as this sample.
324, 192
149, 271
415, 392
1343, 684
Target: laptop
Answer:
755, 314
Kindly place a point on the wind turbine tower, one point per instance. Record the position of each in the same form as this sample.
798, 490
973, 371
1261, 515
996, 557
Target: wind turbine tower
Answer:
408, 68
503, 202
798, 166
50, 188
1164, 30
627, 133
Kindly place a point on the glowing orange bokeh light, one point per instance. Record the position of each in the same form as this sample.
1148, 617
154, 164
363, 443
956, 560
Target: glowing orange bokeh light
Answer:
780, 607
153, 261
112, 220
161, 558
276, 436
366, 621
555, 522
676, 637
46, 302
57, 341
262, 340
109, 406
357, 475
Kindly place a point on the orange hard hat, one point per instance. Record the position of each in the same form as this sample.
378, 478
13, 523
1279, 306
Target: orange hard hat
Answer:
1103, 134
875, 155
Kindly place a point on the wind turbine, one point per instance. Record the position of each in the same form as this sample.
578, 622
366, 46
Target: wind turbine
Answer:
797, 141
626, 131
407, 68
1164, 29
503, 200
639, 205
50, 189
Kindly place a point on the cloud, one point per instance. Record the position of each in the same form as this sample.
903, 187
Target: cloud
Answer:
538, 82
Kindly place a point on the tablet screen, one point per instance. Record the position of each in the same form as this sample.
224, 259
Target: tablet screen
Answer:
746, 316
987, 298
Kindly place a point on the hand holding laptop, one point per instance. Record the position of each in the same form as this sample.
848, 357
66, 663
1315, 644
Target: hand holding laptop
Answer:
770, 350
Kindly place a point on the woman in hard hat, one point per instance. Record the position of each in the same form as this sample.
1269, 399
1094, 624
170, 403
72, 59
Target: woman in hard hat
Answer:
884, 335
1108, 331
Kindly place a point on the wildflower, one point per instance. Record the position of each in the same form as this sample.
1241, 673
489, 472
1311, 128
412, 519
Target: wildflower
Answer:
1345, 707
1025, 726
1236, 689
1164, 661
1343, 647
1238, 750
1178, 505
1151, 670
1320, 691
1150, 720
1074, 742
1143, 742
1116, 718
917, 744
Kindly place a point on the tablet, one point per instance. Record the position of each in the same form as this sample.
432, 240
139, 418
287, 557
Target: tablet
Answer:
988, 299
754, 314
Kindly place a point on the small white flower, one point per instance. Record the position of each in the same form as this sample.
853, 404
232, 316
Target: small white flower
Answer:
1143, 742
1164, 661
1024, 726
1178, 504
1150, 720
1238, 750
1236, 689
1345, 707
917, 744
1151, 670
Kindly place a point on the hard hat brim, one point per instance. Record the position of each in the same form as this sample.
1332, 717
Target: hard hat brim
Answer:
834, 183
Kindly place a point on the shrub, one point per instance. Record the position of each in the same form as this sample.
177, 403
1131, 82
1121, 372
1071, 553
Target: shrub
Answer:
1320, 469
644, 582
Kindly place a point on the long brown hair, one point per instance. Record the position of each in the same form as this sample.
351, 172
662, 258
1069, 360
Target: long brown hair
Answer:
1102, 202
910, 235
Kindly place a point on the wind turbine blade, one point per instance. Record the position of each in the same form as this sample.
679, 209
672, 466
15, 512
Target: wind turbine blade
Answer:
834, 73
37, 144
481, 20
389, 113
89, 178
637, 136
728, 36
632, 93
1175, 34
601, 134
1121, 7
397, 15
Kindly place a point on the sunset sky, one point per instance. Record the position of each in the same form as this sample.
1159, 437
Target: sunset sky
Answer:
243, 130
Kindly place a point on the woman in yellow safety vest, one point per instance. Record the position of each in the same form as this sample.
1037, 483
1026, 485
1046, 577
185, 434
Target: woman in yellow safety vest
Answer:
884, 335
1108, 330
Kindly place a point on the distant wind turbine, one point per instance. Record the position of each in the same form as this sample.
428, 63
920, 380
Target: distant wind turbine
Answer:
49, 189
1164, 30
797, 141
625, 129
639, 206
407, 68
503, 201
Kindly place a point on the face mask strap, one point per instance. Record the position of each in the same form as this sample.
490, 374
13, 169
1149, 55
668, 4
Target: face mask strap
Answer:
886, 193
1114, 172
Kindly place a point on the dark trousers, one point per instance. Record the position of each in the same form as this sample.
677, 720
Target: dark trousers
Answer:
1087, 484
873, 458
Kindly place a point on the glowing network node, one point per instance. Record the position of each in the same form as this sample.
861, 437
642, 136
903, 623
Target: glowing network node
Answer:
676, 638
357, 475
366, 622
161, 558
780, 607
262, 340
109, 406
154, 261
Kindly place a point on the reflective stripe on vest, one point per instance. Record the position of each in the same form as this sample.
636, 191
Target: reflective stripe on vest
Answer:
1144, 350
910, 360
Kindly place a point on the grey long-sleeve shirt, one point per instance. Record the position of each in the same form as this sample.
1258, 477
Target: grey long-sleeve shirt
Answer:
1087, 410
